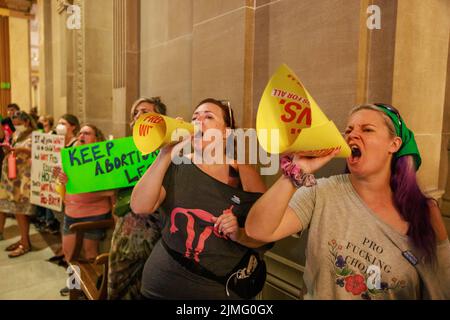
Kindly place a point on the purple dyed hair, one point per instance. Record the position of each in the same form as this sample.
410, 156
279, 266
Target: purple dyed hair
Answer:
413, 206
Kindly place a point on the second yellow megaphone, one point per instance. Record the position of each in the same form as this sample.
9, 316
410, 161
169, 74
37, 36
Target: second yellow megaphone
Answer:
153, 131
287, 108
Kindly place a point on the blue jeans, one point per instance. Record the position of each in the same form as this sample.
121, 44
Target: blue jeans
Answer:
93, 234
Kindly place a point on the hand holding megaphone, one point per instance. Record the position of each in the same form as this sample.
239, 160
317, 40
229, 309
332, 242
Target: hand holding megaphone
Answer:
312, 164
153, 131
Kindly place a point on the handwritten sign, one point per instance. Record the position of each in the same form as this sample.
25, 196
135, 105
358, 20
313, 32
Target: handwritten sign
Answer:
45, 155
104, 165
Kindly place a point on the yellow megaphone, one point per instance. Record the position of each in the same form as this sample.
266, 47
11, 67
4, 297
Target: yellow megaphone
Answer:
153, 131
288, 108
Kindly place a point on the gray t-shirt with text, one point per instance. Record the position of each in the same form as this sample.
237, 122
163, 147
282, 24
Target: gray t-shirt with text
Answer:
350, 252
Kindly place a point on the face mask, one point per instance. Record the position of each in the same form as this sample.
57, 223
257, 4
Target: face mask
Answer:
20, 128
61, 129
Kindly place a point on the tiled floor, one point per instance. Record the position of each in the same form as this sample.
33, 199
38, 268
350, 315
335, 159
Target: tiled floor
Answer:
30, 276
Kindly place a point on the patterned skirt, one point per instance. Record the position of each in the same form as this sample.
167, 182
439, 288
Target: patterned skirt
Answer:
15, 194
132, 242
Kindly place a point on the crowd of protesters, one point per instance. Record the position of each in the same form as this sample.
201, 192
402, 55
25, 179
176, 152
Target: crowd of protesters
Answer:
184, 230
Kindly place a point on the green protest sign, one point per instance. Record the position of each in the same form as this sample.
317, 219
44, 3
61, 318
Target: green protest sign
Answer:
104, 165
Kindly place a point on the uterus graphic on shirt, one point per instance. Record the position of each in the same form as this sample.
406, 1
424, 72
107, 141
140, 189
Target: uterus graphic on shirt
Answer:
359, 268
196, 216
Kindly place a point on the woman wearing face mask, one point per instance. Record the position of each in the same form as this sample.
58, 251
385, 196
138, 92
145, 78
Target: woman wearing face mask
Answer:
85, 207
15, 189
372, 233
68, 126
205, 206
134, 235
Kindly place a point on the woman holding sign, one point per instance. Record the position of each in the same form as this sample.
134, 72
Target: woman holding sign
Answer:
134, 235
84, 207
205, 206
15, 182
372, 233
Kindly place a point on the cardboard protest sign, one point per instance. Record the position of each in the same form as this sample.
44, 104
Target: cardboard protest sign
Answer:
45, 155
152, 131
104, 165
288, 107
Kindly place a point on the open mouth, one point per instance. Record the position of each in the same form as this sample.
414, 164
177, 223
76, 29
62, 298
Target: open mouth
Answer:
356, 154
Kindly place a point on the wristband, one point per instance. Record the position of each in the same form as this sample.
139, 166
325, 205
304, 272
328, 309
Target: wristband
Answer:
295, 173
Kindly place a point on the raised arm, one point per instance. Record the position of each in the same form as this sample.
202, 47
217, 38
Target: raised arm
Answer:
271, 219
149, 193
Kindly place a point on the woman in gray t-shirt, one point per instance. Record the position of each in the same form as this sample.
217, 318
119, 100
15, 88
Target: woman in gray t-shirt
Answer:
372, 233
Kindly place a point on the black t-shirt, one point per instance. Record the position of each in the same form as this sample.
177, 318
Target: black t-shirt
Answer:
192, 198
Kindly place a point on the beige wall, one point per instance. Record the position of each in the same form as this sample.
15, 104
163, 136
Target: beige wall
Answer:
98, 67
166, 53
76, 68
420, 74
20, 62
57, 81
45, 102
219, 53
444, 182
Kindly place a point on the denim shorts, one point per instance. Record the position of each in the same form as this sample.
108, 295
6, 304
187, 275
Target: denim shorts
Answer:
93, 234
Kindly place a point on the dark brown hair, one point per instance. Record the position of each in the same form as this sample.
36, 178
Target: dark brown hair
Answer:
98, 133
73, 120
14, 106
228, 114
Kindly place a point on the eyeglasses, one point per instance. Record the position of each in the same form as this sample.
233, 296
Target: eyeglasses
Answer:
228, 104
393, 110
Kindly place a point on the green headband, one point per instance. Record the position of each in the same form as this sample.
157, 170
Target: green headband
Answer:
409, 145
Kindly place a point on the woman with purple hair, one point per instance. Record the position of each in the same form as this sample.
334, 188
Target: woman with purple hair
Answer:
373, 234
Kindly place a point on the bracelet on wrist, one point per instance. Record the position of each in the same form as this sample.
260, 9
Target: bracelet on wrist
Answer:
295, 173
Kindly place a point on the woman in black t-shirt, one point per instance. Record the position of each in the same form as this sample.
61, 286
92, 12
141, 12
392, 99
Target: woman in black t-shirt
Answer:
206, 206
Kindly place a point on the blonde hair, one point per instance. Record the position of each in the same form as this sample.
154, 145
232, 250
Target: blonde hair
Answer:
158, 105
373, 107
